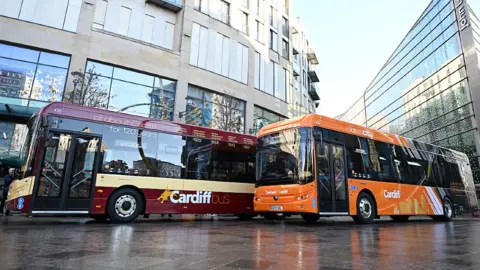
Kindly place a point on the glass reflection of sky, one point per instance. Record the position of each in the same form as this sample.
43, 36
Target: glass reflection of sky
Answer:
40, 82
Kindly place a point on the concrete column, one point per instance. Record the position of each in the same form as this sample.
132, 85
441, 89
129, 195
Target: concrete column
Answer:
249, 107
81, 42
180, 100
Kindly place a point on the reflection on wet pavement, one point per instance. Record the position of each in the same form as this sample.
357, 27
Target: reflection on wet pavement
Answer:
40, 243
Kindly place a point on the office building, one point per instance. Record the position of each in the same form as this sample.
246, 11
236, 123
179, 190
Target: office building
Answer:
429, 88
185, 61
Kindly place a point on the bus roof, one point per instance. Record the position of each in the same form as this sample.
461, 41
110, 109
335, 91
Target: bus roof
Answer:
316, 120
117, 118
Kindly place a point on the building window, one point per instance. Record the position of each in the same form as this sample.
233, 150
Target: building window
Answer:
197, 4
272, 16
285, 49
31, 78
230, 58
244, 22
61, 14
148, 27
224, 12
118, 89
259, 6
287, 85
263, 117
273, 40
209, 109
100, 12
274, 77
216, 9
285, 27
124, 23
152, 27
259, 82
259, 30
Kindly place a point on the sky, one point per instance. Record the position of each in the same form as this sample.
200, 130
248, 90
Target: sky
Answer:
352, 40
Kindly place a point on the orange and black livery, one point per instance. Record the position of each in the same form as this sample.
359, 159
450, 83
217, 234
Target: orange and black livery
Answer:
319, 166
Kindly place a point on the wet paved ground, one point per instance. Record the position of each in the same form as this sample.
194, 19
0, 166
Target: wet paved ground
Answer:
53, 243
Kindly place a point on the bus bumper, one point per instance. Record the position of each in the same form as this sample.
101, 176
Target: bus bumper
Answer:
300, 206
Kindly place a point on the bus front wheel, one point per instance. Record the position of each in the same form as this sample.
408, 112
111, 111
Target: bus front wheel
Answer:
365, 209
125, 205
311, 218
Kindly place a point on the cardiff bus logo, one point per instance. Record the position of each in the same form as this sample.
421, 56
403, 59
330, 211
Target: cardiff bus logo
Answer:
176, 197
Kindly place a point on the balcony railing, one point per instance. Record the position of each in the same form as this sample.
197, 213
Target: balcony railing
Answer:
173, 5
295, 51
312, 91
313, 75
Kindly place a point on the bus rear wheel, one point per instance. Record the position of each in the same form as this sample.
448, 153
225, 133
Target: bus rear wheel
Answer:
125, 205
311, 218
400, 218
365, 209
448, 211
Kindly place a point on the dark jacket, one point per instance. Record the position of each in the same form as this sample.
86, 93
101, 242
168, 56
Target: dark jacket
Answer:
7, 181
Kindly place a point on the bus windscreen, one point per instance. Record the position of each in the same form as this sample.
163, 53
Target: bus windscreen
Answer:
285, 158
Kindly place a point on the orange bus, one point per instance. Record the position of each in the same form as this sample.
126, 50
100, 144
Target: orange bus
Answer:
110, 165
318, 166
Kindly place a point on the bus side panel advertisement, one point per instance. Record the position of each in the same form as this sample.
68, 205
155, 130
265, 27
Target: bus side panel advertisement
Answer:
181, 201
398, 199
201, 202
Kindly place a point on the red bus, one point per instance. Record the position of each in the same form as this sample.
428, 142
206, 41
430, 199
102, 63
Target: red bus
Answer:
109, 165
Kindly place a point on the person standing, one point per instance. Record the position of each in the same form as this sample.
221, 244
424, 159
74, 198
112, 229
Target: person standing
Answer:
6, 185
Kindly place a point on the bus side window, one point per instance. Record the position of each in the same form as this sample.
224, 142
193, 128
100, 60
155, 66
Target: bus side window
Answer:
357, 157
436, 171
457, 182
381, 155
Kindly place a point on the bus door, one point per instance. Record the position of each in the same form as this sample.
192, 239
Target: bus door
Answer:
331, 179
66, 174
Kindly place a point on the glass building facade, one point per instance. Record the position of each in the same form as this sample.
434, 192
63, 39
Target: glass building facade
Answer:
214, 110
30, 79
118, 89
263, 117
427, 90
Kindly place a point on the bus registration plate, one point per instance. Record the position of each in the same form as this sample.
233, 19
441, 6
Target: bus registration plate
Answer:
276, 208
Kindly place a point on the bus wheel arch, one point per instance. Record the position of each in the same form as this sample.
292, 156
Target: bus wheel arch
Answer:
366, 199
128, 193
